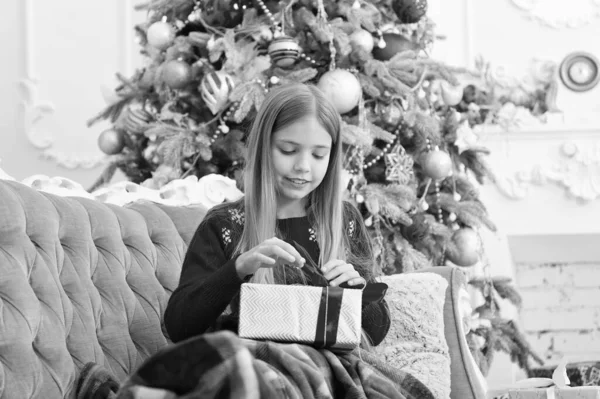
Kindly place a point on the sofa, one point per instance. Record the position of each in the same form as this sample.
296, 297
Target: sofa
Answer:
83, 280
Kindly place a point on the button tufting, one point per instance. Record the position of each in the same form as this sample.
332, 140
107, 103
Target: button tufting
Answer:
82, 282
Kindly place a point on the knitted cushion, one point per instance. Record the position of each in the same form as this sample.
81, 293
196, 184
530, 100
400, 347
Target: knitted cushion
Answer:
416, 341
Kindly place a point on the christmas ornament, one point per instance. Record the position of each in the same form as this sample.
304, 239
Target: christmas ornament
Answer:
223, 13
399, 165
284, 51
136, 119
437, 164
452, 95
361, 39
342, 88
392, 43
160, 35
390, 114
215, 89
409, 11
147, 79
177, 74
111, 141
465, 247
199, 39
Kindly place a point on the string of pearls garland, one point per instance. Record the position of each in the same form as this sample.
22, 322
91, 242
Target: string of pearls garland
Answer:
279, 30
425, 206
269, 14
381, 154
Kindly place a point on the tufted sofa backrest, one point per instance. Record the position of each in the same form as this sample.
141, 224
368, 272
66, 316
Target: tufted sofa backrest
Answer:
82, 281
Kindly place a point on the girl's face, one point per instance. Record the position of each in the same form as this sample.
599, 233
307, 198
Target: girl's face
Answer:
300, 156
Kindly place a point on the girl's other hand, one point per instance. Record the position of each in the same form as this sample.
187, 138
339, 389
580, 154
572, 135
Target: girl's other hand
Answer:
269, 253
338, 272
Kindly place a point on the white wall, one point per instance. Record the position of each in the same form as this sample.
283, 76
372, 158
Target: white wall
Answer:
62, 51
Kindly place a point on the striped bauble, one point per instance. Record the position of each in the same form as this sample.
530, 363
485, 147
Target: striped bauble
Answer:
215, 89
284, 51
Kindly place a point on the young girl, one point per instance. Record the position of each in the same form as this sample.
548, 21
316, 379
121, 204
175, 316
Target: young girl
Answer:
292, 195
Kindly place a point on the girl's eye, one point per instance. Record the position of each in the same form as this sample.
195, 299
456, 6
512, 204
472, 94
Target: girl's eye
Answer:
318, 156
286, 151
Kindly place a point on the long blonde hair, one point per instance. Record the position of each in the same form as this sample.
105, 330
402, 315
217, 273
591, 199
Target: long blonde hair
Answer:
282, 107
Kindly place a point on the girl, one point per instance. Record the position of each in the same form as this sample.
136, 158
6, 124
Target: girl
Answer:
292, 195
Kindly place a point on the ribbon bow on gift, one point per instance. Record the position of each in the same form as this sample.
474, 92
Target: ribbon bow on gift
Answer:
372, 292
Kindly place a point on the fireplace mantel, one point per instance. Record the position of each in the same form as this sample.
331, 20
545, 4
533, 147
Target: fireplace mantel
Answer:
546, 204
547, 178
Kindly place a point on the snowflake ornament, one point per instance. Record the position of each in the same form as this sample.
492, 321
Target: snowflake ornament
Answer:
398, 165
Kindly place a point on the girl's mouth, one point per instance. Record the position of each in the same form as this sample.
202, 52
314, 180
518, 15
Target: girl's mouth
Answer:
297, 182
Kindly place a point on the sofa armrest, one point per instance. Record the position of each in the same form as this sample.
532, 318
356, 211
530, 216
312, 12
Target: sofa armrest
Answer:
467, 382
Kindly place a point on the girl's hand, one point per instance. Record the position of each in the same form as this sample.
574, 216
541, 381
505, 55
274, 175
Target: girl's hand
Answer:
338, 272
269, 253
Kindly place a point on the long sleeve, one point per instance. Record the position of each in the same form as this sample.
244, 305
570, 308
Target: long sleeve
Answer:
375, 316
208, 283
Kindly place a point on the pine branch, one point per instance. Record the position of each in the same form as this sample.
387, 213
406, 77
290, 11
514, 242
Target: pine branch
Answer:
379, 134
471, 213
299, 76
474, 161
112, 112
356, 136
105, 177
411, 258
427, 127
509, 292
392, 201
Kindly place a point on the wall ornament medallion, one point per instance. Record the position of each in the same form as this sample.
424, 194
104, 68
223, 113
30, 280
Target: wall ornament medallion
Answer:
577, 171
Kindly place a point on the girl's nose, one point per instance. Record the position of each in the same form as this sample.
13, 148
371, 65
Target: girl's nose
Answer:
302, 164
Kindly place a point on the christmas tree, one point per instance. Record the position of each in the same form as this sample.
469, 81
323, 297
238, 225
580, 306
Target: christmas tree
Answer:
411, 164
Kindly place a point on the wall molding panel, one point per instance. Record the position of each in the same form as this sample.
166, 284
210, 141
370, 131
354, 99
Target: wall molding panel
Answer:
40, 114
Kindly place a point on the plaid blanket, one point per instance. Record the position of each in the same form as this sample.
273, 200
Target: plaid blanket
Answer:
222, 365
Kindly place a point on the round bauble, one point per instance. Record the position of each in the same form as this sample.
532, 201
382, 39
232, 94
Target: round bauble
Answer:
363, 40
409, 11
224, 13
393, 44
177, 74
147, 78
465, 248
437, 164
111, 141
284, 51
342, 88
160, 35
215, 89
452, 95
391, 114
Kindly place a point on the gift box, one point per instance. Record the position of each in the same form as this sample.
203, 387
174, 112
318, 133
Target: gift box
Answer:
579, 373
556, 393
324, 317
556, 387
